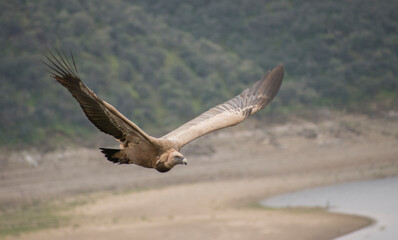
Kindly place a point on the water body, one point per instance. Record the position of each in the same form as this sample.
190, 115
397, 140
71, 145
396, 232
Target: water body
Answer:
377, 199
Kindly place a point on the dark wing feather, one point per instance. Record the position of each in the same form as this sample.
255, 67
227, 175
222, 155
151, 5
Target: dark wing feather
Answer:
103, 115
231, 112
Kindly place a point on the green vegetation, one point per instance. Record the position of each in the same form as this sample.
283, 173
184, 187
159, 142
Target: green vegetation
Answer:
17, 218
30, 217
163, 62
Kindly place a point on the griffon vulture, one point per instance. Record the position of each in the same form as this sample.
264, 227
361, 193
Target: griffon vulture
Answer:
139, 148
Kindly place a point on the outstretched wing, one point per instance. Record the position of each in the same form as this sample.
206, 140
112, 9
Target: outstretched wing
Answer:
231, 112
103, 115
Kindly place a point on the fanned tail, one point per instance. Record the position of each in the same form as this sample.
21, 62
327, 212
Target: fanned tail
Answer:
114, 155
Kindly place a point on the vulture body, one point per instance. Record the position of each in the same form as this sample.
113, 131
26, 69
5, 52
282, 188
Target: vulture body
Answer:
139, 148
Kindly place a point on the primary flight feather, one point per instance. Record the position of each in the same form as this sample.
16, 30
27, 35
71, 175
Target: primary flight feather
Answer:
139, 148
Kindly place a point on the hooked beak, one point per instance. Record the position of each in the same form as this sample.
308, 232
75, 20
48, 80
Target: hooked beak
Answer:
184, 161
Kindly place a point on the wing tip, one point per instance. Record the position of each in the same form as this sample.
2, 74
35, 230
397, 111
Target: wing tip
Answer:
59, 64
266, 89
277, 73
273, 81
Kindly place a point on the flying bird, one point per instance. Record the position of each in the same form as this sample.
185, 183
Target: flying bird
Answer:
162, 153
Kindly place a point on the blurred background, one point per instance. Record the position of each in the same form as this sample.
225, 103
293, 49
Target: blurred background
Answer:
161, 63
146, 56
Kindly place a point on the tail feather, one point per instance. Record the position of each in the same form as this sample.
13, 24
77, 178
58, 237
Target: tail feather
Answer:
113, 155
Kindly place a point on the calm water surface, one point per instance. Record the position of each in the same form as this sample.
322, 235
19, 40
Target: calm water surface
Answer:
377, 199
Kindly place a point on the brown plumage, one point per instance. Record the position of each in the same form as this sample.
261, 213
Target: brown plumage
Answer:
139, 148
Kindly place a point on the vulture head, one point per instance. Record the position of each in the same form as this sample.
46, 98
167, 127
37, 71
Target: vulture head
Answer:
170, 159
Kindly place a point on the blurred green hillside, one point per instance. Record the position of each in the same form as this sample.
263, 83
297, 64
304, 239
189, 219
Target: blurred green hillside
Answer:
163, 62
